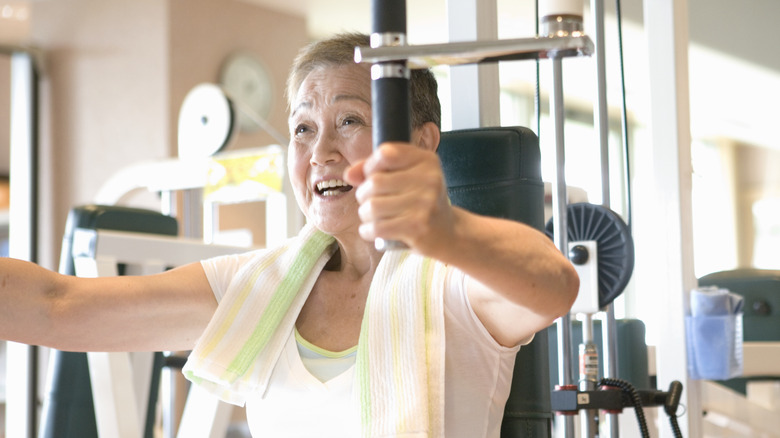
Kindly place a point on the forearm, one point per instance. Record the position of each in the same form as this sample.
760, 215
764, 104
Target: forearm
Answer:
515, 261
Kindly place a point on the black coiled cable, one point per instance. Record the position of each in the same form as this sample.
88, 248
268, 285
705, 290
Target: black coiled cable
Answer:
635, 400
671, 403
670, 406
675, 426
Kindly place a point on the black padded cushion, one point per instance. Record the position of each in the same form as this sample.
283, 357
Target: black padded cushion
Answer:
495, 172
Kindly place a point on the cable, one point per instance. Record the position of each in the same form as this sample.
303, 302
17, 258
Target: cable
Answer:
635, 400
671, 403
675, 426
670, 406
537, 89
624, 113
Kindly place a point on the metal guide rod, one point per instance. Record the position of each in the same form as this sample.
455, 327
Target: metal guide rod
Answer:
560, 235
391, 120
559, 199
559, 24
588, 375
600, 116
602, 130
609, 345
601, 123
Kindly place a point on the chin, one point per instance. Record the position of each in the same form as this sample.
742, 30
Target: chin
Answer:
334, 229
332, 220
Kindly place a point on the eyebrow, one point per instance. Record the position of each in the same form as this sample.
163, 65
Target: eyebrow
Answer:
300, 105
350, 97
338, 97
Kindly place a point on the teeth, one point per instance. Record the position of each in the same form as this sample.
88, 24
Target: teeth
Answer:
324, 185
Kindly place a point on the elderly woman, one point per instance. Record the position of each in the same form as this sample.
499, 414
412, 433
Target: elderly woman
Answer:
325, 335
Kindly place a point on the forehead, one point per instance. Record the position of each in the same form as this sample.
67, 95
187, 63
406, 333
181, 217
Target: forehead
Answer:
326, 84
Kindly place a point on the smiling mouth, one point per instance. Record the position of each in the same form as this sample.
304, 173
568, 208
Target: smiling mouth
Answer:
332, 187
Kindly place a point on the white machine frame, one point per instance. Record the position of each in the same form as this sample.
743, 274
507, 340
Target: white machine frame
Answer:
121, 381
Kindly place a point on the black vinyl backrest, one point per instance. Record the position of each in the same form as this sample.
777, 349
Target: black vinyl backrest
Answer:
497, 172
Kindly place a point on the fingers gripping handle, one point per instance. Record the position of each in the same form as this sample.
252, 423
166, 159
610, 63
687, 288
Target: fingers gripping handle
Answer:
389, 84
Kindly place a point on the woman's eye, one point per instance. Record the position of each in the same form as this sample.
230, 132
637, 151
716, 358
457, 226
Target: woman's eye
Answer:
300, 129
350, 121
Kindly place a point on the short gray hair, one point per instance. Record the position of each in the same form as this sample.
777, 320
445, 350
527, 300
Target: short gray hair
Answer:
339, 50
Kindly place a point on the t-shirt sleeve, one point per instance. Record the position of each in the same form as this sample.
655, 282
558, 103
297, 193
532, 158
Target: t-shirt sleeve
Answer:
458, 310
221, 270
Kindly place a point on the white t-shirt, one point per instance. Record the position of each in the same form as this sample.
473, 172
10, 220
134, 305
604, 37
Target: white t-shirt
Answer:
478, 374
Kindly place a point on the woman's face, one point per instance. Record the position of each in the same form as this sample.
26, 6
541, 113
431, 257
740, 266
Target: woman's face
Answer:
330, 129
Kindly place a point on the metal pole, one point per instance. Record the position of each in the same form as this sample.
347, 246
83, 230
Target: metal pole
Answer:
22, 360
560, 226
609, 344
601, 123
588, 375
600, 115
173, 388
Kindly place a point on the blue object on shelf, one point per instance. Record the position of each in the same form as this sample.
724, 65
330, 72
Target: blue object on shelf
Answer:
714, 334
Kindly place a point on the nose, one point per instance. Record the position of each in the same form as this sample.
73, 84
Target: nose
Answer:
325, 150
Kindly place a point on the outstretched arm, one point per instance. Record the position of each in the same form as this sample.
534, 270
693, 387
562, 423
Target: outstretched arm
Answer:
519, 282
160, 312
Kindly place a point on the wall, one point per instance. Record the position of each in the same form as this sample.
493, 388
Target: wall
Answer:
204, 32
104, 94
114, 76
757, 178
5, 110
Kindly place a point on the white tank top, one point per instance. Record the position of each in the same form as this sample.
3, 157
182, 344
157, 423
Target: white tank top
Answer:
297, 404
321, 363
478, 374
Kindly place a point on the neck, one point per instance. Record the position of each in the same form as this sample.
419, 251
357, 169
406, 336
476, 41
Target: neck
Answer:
355, 258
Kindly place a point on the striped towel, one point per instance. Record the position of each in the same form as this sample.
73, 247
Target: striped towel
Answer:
399, 369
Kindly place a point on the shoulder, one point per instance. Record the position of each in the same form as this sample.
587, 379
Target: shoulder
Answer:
221, 270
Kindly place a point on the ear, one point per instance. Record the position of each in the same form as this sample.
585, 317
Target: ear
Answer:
427, 136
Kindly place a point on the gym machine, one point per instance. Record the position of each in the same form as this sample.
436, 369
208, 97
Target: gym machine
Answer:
601, 246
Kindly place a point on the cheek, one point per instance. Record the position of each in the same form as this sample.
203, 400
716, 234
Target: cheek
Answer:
361, 145
297, 165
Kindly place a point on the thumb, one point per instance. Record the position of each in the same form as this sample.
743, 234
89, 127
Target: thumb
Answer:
355, 175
